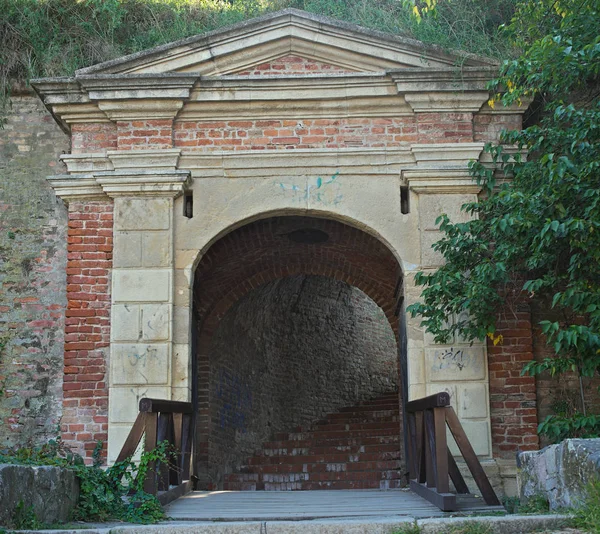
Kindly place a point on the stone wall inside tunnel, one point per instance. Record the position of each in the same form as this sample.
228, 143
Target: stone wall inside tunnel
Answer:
287, 354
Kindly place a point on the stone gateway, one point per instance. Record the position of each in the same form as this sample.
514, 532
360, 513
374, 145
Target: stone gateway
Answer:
247, 210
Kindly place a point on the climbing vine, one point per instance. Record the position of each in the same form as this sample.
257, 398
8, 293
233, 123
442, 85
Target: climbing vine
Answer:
536, 236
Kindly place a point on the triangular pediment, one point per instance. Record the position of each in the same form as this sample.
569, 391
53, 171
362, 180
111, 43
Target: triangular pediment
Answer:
327, 45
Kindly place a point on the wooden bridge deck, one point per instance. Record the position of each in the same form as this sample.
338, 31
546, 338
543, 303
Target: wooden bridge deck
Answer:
305, 505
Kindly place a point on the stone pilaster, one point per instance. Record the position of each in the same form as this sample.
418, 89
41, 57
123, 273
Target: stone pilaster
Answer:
142, 311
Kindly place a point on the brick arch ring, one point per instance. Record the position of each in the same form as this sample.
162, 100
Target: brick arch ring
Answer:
262, 251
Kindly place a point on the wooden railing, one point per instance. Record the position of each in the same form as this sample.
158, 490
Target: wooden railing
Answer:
162, 420
431, 463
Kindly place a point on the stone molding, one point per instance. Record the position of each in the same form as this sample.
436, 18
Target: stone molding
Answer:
426, 168
289, 31
103, 185
444, 154
440, 180
194, 79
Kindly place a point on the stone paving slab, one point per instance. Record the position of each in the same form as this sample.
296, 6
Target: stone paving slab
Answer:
513, 524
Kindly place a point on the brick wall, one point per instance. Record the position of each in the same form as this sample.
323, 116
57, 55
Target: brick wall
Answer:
288, 134
287, 354
32, 274
291, 64
512, 396
261, 252
445, 127
87, 329
488, 127
155, 134
560, 393
93, 137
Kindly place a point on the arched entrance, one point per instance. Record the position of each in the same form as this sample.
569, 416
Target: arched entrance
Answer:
295, 317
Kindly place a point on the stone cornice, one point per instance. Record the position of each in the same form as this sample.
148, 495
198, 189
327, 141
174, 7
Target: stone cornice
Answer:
71, 188
446, 154
103, 185
171, 183
440, 180
444, 79
444, 89
129, 160
147, 86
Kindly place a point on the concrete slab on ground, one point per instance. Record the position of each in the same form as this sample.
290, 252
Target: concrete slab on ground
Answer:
548, 524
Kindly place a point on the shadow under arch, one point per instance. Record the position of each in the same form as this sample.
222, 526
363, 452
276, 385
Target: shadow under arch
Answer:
277, 245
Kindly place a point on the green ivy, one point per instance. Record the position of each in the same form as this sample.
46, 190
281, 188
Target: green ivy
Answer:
537, 235
116, 492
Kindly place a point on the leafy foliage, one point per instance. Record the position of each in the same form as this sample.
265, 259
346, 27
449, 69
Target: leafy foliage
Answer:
537, 235
116, 492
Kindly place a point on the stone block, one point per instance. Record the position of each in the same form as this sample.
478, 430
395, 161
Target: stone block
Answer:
416, 367
416, 391
182, 371
478, 433
559, 472
181, 327
51, 491
430, 257
117, 434
432, 206
124, 402
156, 320
157, 249
135, 363
123, 406
181, 394
455, 363
142, 213
473, 401
143, 285
127, 250
447, 388
125, 322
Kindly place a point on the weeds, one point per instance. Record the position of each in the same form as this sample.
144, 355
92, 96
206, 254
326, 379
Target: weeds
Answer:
536, 504
471, 527
113, 493
587, 513
409, 528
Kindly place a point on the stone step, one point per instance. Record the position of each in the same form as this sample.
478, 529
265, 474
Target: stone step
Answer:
329, 457
325, 442
331, 449
374, 426
362, 417
332, 466
317, 485
336, 434
323, 476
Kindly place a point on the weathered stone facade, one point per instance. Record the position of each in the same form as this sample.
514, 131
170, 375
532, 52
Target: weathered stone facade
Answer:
33, 225
178, 150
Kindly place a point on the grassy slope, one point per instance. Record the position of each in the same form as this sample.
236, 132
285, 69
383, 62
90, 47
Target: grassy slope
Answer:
56, 37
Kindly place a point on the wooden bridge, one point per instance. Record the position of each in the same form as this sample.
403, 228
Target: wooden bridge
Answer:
432, 468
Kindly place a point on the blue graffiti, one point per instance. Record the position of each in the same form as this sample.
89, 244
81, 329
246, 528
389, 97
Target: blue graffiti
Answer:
318, 190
